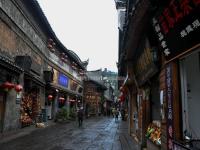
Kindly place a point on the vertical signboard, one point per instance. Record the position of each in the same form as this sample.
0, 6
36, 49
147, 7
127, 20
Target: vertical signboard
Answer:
169, 98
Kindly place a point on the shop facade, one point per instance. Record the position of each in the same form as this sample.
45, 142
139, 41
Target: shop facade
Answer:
142, 91
147, 112
62, 91
93, 97
166, 99
25, 41
10, 94
32, 103
180, 73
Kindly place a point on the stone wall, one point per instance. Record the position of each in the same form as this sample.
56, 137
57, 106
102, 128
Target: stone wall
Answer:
18, 37
12, 112
19, 19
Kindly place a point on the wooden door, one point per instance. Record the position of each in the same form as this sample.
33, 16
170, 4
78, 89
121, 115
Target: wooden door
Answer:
2, 110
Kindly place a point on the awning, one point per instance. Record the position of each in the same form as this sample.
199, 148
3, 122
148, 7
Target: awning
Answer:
34, 78
61, 88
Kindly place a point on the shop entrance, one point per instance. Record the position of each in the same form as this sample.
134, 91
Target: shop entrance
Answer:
190, 89
2, 110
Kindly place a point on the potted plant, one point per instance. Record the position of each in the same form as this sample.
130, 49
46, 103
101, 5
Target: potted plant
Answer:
62, 115
72, 114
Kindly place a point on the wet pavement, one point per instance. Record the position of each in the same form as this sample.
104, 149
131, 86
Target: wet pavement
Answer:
100, 133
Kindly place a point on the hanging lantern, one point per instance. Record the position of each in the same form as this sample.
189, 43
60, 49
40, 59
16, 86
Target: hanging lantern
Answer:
53, 43
50, 40
7, 86
122, 96
62, 58
49, 46
18, 88
61, 99
121, 88
65, 58
50, 97
71, 100
52, 50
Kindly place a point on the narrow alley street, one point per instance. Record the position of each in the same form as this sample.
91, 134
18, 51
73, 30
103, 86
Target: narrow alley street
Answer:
100, 133
64, 61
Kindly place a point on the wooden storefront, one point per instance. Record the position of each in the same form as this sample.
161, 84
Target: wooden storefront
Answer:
179, 78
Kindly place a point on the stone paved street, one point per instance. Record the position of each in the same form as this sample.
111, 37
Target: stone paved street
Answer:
99, 133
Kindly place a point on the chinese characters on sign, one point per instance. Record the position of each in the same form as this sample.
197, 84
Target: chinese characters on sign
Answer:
178, 27
161, 37
190, 28
169, 97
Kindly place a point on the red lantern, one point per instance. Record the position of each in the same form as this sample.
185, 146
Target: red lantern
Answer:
18, 88
71, 100
121, 88
53, 43
49, 46
61, 99
62, 58
50, 40
7, 85
52, 50
50, 97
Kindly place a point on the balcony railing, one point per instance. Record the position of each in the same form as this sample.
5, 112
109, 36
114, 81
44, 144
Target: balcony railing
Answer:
64, 66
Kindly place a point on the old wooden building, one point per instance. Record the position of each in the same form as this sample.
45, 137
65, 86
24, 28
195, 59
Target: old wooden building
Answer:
94, 93
159, 59
38, 73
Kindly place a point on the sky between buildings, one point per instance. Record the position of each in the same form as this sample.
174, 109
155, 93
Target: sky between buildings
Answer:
88, 27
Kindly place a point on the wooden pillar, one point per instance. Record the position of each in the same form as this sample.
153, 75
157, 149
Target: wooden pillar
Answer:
130, 120
132, 109
132, 97
176, 101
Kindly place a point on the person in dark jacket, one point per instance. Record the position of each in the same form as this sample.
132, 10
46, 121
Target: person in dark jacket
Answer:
80, 116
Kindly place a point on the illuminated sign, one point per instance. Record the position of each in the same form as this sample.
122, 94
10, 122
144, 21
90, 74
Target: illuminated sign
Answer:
63, 80
178, 27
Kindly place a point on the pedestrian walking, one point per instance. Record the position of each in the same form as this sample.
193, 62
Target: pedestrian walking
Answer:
116, 114
123, 114
113, 112
80, 116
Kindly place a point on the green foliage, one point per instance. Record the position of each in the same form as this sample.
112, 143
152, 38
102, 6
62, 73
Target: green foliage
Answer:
102, 99
62, 114
72, 113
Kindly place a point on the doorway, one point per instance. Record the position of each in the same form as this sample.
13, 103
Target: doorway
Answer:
190, 92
